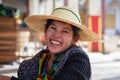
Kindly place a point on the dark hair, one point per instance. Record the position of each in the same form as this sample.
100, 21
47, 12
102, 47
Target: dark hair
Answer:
75, 29
49, 21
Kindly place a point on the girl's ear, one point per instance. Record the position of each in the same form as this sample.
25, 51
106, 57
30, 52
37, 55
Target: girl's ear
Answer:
75, 39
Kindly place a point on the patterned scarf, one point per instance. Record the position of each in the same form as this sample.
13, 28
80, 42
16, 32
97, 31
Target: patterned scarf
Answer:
43, 61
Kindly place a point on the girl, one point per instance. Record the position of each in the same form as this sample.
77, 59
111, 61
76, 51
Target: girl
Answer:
62, 59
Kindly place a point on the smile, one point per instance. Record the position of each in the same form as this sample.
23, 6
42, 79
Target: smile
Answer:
55, 42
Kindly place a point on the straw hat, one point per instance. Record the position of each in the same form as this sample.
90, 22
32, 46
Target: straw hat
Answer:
65, 14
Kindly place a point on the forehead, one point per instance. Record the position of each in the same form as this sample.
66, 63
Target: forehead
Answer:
56, 23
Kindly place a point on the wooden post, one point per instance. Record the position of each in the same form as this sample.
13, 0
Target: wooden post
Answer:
8, 39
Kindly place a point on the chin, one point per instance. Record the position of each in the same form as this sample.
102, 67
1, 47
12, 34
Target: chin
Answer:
54, 51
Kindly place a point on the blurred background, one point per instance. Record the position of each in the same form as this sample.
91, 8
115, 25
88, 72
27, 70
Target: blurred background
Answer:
18, 42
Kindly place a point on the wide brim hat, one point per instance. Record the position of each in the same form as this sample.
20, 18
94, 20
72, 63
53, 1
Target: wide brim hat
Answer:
64, 14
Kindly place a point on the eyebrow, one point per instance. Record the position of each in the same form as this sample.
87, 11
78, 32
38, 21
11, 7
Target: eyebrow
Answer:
68, 29
63, 28
52, 24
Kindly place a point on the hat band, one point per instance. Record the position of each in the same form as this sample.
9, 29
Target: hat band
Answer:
69, 11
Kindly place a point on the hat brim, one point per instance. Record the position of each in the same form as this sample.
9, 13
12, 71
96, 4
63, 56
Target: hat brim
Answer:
37, 22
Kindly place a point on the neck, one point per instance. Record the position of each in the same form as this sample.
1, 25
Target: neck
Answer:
50, 62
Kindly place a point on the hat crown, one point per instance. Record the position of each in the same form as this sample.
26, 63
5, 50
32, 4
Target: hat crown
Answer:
67, 13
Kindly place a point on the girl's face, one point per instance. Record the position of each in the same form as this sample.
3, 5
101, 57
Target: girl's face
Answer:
59, 37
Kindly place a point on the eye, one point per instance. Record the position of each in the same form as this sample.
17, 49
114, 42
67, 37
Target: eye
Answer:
52, 27
65, 31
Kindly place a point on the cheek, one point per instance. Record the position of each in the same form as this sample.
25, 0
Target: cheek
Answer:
68, 39
47, 36
49, 33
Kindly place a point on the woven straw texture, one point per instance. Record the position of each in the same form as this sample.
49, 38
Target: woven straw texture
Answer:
65, 14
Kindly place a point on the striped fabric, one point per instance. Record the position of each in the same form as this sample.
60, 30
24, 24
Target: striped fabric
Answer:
74, 64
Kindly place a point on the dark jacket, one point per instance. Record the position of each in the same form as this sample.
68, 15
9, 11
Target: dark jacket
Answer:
74, 65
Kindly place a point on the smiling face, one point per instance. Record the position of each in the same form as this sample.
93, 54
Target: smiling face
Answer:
59, 37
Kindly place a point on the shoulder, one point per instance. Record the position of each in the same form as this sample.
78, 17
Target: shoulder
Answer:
77, 52
75, 64
32, 60
78, 61
30, 67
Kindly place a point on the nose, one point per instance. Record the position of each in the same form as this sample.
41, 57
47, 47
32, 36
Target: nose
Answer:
57, 34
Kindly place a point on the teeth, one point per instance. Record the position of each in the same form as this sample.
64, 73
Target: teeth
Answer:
55, 42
